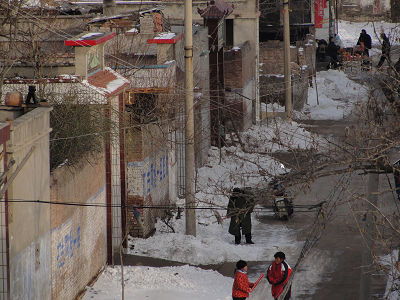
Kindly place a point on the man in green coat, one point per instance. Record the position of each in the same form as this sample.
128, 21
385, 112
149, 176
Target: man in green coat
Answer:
239, 210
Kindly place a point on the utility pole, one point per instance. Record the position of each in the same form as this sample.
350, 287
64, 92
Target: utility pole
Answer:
189, 129
286, 42
109, 7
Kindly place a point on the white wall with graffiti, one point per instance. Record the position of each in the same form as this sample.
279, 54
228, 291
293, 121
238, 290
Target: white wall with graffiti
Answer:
78, 247
148, 181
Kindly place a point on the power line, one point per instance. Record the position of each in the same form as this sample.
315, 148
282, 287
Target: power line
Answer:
309, 208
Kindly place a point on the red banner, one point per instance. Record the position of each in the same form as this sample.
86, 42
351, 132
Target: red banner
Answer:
319, 12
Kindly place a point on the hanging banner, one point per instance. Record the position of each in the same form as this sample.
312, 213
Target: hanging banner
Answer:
376, 8
319, 6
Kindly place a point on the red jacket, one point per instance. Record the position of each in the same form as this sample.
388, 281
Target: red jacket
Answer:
278, 276
241, 285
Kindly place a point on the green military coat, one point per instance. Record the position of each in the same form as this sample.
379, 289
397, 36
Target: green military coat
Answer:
240, 208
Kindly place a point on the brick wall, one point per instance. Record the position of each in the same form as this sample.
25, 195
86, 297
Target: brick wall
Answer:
238, 66
272, 56
239, 77
147, 178
233, 68
272, 83
78, 233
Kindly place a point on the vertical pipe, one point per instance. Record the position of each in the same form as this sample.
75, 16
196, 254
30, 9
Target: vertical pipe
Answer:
257, 104
287, 73
110, 256
189, 128
121, 106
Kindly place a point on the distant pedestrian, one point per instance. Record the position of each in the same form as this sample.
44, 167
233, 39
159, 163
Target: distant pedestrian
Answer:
385, 50
365, 41
240, 207
333, 52
278, 275
241, 285
396, 175
321, 50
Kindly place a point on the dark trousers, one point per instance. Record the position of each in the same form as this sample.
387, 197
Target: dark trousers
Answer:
239, 298
238, 238
382, 60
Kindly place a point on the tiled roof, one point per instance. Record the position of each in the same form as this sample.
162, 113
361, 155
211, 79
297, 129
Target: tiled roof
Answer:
108, 82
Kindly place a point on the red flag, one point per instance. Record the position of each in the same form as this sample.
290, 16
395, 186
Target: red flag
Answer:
255, 284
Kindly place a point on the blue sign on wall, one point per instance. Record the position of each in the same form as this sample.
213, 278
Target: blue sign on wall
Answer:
67, 246
155, 173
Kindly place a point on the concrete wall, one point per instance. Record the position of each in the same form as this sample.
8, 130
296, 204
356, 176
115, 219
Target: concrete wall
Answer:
78, 233
29, 223
201, 70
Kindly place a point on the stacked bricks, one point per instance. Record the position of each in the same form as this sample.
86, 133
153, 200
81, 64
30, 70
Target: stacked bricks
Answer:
233, 68
272, 57
235, 75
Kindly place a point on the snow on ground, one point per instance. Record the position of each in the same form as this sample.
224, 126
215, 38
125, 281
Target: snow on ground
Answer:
274, 107
350, 31
215, 181
337, 94
168, 283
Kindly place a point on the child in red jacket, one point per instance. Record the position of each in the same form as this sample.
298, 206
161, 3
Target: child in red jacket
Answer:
241, 285
278, 275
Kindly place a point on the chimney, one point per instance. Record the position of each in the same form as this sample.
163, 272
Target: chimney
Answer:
109, 7
89, 52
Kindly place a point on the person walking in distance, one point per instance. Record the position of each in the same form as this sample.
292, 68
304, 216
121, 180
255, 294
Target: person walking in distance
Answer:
241, 285
278, 274
385, 50
365, 39
240, 207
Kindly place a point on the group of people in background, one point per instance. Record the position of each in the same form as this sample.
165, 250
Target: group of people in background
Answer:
364, 44
278, 274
